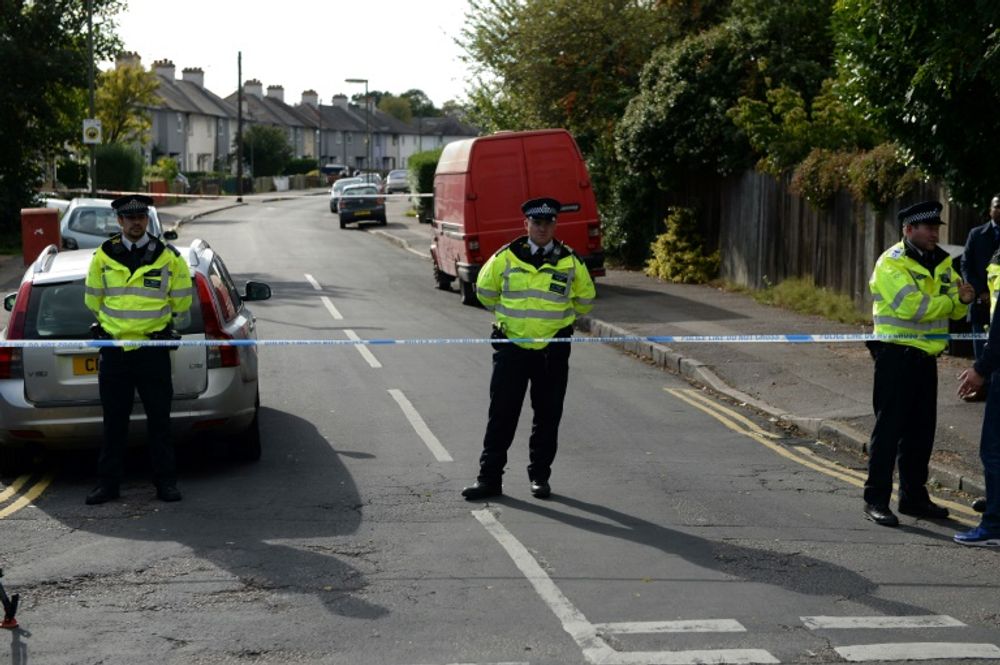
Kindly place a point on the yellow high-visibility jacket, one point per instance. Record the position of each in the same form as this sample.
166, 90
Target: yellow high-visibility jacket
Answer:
993, 282
534, 302
910, 300
131, 305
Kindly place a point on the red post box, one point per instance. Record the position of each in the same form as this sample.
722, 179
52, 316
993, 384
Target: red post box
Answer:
39, 229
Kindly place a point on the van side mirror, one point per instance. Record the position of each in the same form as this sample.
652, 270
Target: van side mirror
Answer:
8, 301
170, 235
257, 291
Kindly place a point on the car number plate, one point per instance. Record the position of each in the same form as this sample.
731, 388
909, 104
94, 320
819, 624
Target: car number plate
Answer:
362, 213
83, 365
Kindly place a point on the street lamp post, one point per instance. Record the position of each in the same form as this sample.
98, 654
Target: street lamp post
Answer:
368, 122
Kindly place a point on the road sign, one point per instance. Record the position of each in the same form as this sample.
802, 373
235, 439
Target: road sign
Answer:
91, 130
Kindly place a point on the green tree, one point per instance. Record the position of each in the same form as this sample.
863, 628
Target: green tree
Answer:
43, 57
397, 107
930, 72
267, 149
122, 98
420, 104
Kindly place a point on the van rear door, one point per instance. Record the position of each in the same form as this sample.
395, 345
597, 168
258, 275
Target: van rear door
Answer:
500, 185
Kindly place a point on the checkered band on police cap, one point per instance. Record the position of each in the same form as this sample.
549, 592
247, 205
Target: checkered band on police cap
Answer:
546, 209
133, 204
927, 212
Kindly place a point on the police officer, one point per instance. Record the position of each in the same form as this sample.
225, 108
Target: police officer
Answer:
915, 291
136, 285
535, 286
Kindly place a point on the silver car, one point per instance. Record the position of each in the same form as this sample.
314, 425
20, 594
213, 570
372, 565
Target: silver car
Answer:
338, 189
49, 396
89, 222
398, 180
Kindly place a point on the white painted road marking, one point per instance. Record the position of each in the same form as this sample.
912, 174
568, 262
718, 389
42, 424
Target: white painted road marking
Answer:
882, 622
946, 651
686, 626
312, 280
334, 312
595, 649
362, 349
425, 433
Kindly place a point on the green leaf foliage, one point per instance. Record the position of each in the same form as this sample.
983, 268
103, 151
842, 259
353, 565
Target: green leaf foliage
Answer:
267, 150
930, 71
44, 60
679, 255
124, 95
119, 167
422, 166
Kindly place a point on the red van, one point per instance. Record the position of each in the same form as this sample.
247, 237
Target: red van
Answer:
479, 186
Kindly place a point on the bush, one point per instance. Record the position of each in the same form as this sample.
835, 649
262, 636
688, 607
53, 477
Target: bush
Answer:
679, 254
72, 174
300, 165
821, 175
881, 176
422, 166
165, 168
119, 167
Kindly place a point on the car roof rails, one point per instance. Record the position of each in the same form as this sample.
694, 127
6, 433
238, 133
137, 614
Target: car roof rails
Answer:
45, 258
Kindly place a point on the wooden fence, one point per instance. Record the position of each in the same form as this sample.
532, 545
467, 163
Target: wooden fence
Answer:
767, 234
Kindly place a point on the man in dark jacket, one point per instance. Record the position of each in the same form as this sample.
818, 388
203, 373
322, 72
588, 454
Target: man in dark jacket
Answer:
980, 246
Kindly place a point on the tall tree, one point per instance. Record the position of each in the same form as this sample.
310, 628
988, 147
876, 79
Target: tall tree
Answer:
930, 72
397, 107
44, 59
420, 103
267, 149
123, 96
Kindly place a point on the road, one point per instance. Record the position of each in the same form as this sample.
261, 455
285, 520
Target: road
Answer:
681, 529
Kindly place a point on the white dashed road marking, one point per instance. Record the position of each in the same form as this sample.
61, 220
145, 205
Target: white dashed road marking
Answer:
312, 280
334, 312
946, 651
685, 626
425, 433
362, 349
883, 622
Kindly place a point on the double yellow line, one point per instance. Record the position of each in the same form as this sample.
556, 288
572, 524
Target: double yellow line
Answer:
22, 499
798, 454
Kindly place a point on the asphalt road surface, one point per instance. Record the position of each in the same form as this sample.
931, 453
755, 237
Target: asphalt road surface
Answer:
681, 529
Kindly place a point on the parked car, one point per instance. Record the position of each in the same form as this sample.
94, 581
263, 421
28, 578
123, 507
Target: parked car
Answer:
361, 202
89, 222
338, 187
371, 178
398, 180
49, 396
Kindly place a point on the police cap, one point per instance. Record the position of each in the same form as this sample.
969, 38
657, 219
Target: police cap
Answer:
927, 212
541, 209
133, 204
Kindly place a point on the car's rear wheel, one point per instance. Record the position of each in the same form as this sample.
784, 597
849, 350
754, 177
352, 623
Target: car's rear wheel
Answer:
382, 220
343, 224
245, 446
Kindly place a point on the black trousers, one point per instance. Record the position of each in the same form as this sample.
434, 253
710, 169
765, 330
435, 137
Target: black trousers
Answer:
121, 374
514, 368
905, 402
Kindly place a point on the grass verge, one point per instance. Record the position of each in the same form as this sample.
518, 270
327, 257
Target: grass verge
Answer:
801, 295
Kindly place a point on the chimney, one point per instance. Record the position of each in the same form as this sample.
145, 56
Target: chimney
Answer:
254, 87
310, 98
127, 59
276, 92
340, 101
195, 75
164, 69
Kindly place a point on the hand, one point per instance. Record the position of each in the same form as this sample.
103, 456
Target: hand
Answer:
966, 294
970, 382
984, 298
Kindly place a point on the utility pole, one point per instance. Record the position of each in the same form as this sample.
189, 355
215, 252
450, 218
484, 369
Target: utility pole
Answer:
239, 127
92, 171
368, 121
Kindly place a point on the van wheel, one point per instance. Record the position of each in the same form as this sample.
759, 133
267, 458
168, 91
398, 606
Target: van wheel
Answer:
468, 291
441, 279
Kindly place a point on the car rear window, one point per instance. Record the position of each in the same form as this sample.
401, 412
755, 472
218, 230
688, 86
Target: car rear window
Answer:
361, 191
56, 311
94, 221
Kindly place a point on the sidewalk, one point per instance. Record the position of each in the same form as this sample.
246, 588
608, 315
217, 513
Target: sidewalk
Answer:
822, 389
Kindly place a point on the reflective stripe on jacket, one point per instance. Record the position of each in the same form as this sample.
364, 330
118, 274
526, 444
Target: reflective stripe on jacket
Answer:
993, 282
909, 300
535, 302
131, 305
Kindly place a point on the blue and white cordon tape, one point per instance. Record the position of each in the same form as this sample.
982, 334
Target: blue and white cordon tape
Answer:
657, 339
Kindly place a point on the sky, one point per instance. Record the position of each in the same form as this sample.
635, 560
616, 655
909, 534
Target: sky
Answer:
305, 44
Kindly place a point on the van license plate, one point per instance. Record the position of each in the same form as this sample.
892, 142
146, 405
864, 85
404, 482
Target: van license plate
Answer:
361, 213
83, 365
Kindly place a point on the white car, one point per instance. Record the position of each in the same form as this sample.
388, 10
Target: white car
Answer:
49, 396
87, 223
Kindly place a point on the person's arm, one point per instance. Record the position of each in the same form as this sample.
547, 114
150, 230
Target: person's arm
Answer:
488, 282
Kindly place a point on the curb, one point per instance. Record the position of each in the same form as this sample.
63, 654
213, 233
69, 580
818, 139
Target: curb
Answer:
831, 431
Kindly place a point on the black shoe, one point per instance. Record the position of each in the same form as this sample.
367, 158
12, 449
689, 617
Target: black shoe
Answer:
479, 490
168, 492
979, 505
540, 489
101, 494
881, 515
925, 509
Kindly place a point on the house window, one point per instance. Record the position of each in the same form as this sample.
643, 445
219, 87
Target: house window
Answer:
348, 137
395, 139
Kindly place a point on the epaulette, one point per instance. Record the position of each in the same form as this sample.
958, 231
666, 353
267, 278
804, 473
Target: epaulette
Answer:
897, 251
172, 249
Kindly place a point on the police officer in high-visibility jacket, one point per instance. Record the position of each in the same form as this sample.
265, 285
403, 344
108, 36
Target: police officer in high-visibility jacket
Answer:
536, 287
136, 285
915, 291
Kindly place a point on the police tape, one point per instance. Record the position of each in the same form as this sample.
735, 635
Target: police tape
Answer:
784, 338
246, 197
